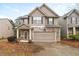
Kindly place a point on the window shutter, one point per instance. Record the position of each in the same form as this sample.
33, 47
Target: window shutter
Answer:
53, 20
47, 20
76, 20
41, 20
32, 20
71, 20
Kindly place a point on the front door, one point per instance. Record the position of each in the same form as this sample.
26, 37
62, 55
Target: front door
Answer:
24, 35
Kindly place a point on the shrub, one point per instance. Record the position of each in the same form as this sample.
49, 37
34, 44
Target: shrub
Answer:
74, 37
11, 39
30, 41
65, 36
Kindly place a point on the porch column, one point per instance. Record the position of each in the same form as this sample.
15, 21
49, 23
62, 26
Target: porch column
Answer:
55, 36
67, 29
67, 32
17, 33
59, 34
30, 34
74, 30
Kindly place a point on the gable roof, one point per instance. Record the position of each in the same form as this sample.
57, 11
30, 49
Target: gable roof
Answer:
25, 17
41, 11
38, 10
11, 22
23, 26
50, 10
45, 13
70, 12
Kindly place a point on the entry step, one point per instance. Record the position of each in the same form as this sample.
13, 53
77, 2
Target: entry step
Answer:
24, 40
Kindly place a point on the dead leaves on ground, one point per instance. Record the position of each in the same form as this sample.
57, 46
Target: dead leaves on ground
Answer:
71, 43
19, 49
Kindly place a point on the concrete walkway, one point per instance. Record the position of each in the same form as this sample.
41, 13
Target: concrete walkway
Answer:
57, 49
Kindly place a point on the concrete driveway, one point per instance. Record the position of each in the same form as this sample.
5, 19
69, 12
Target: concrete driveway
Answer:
57, 49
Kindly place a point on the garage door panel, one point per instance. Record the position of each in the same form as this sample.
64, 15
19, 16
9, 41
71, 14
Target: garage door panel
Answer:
44, 36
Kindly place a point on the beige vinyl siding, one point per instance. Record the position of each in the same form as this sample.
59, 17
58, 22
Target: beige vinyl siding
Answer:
6, 29
47, 12
76, 16
26, 21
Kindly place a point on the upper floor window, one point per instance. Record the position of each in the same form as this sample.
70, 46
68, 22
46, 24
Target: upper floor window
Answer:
37, 20
51, 21
74, 20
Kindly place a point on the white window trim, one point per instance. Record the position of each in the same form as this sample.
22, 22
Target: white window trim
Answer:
38, 20
50, 20
74, 20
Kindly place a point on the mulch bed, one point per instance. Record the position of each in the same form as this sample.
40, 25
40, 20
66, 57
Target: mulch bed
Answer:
73, 43
19, 49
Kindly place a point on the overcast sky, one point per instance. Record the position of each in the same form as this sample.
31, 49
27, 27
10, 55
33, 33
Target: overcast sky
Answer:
15, 10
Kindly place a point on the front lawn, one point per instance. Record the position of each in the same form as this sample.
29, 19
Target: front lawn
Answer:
18, 49
74, 43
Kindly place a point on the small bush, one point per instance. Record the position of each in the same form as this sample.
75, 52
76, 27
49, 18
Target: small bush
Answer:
11, 39
30, 41
74, 37
65, 36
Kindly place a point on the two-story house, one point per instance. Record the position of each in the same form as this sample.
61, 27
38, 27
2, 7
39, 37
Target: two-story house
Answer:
70, 23
40, 25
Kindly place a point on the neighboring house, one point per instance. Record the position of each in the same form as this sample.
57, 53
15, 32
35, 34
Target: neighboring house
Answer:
6, 28
70, 23
41, 25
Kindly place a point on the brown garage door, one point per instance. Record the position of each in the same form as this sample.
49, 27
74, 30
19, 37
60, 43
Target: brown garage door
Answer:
44, 36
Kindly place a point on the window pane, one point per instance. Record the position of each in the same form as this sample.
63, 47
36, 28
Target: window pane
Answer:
50, 21
37, 20
74, 20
